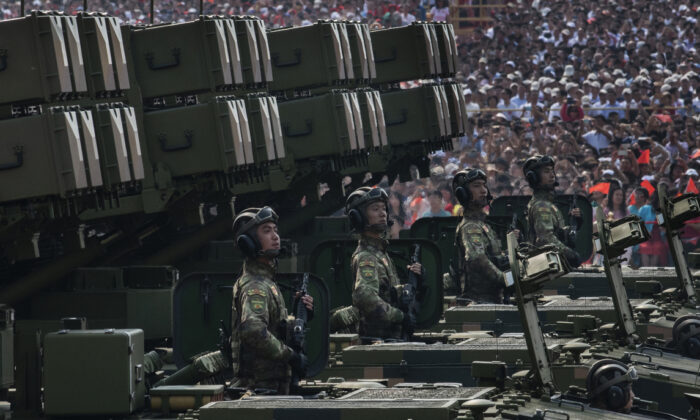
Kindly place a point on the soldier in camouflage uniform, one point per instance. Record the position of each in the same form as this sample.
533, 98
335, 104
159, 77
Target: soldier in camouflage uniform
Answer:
483, 265
545, 220
260, 357
376, 288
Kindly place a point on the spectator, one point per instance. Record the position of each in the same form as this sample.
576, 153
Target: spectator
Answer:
436, 205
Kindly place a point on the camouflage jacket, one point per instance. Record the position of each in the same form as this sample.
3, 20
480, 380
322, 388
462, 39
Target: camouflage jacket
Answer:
546, 224
478, 243
260, 356
375, 278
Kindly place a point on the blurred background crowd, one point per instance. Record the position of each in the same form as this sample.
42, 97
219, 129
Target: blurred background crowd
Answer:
608, 87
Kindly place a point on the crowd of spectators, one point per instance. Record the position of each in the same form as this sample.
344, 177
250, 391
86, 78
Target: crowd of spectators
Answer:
608, 87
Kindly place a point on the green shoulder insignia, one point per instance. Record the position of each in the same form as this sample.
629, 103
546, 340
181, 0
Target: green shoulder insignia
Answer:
257, 304
258, 292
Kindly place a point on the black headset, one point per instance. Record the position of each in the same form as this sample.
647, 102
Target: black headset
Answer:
613, 390
686, 335
248, 241
359, 198
460, 186
532, 167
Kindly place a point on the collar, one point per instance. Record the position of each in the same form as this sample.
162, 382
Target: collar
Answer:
473, 212
542, 194
258, 268
379, 243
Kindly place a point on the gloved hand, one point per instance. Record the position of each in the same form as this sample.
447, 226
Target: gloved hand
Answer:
299, 363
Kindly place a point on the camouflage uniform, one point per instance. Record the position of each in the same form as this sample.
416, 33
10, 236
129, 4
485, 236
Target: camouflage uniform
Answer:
375, 278
478, 243
547, 224
260, 357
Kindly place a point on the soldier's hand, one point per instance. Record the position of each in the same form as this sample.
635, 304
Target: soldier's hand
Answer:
416, 268
575, 212
307, 300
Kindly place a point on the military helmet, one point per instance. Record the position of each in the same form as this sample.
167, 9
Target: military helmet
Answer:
533, 165
358, 201
460, 184
609, 381
244, 229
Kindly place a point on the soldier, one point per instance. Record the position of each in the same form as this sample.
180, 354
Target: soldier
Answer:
544, 218
260, 357
376, 281
609, 385
484, 263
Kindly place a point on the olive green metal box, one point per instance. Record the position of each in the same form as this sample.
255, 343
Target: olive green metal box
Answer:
105, 365
406, 53
211, 54
329, 124
413, 115
40, 58
312, 56
57, 148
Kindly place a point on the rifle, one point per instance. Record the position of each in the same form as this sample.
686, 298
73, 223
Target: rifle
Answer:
408, 301
225, 342
298, 331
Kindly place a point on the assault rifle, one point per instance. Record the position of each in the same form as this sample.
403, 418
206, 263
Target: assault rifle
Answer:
298, 330
409, 304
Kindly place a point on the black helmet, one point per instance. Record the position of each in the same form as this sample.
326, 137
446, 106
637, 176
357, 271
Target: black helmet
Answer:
244, 229
358, 200
609, 381
533, 165
460, 182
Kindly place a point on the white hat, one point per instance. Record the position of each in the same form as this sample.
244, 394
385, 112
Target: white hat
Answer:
620, 82
466, 92
648, 178
585, 100
510, 63
609, 87
608, 172
626, 91
570, 86
691, 172
665, 88
569, 70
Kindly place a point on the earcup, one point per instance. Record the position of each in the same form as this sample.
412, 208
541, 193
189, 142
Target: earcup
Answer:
247, 245
357, 220
616, 397
532, 178
464, 196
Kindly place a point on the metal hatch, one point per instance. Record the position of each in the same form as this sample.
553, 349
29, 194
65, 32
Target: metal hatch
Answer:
76, 54
359, 37
380, 118
245, 131
349, 121
276, 126
458, 110
115, 120
235, 127
102, 37
436, 49
132, 134
428, 48
347, 55
267, 128
119, 54
201, 300
76, 150
338, 51
253, 48
91, 153
357, 115
331, 260
264, 50
437, 99
60, 53
446, 110
372, 117
448, 48
234, 52
370, 52
224, 61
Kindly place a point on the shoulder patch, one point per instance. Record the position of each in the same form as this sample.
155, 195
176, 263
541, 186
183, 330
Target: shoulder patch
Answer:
257, 304
474, 239
366, 263
258, 292
472, 228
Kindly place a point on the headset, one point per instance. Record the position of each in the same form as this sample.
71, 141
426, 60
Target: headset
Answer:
610, 381
248, 241
460, 186
532, 167
357, 200
686, 335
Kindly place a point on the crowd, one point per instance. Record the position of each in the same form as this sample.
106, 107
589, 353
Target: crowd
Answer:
608, 87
